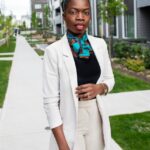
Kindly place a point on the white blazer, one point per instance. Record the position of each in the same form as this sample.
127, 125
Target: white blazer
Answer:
59, 83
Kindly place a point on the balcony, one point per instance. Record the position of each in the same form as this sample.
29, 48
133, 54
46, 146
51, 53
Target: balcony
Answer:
143, 3
58, 19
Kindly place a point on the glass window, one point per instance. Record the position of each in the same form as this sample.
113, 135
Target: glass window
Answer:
39, 15
57, 11
38, 6
129, 19
115, 27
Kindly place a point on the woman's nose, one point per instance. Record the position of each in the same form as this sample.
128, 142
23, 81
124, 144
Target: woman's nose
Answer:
80, 16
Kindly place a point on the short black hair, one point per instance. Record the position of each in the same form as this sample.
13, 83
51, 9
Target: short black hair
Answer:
64, 4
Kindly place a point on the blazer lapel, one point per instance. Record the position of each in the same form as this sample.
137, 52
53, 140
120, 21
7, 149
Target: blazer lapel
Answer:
71, 68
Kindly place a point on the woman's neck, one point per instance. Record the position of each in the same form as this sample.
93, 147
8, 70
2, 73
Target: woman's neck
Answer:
75, 34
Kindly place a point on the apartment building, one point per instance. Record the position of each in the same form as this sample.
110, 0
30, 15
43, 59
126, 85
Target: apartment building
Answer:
57, 20
143, 19
38, 7
134, 23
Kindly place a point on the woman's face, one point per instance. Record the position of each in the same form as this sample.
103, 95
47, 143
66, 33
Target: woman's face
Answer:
77, 16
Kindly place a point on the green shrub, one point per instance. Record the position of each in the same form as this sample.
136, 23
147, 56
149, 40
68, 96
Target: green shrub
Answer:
1, 35
135, 51
147, 58
136, 65
121, 49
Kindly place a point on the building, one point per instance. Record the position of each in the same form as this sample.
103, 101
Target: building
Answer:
143, 19
37, 6
134, 23
57, 20
27, 20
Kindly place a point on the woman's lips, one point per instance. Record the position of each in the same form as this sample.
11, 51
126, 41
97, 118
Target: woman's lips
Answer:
79, 26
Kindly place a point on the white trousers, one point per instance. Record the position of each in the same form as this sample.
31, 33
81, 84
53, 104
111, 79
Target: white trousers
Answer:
89, 132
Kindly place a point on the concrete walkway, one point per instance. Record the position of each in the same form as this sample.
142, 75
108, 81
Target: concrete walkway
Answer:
127, 102
23, 121
11, 53
6, 58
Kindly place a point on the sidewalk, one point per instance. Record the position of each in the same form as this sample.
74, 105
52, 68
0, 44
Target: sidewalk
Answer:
127, 102
6, 58
23, 121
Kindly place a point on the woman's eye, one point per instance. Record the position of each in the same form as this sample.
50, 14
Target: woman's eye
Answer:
87, 13
73, 12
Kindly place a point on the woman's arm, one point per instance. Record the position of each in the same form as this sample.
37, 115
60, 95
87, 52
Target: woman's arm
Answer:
60, 138
51, 91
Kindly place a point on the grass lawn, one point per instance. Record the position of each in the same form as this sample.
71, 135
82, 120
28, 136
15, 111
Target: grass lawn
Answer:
132, 131
126, 83
4, 76
1, 56
8, 48
33, 43
40, 52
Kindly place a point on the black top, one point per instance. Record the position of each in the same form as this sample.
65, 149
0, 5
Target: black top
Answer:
88, 70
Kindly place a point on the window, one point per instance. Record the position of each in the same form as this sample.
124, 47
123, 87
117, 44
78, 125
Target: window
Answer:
129, 19
37, 6
114, 27
39, 15
57, 11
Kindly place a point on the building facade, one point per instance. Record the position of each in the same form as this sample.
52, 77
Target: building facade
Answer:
143, 19
27, 20
57, 21
37, 6
134, 23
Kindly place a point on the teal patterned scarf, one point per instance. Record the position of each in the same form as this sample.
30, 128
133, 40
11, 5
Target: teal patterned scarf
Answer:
80, 46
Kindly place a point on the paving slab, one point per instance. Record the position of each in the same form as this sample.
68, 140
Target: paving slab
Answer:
6, 58
127, 102
23, 120
6, 53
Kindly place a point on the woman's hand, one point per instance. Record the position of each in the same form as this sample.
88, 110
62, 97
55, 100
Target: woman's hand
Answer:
89, 91
64, 147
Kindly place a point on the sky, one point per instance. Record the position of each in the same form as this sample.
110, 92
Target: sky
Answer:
16, 7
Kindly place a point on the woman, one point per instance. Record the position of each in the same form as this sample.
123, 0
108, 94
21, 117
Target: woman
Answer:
77, 72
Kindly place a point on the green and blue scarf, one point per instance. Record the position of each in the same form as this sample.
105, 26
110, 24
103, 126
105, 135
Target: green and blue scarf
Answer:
80, 46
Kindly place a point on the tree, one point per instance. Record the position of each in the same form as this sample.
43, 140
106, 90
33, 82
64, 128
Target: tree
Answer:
47, 14
1, 24
47, 23
8, 28
24, 25
108, 10
34, 20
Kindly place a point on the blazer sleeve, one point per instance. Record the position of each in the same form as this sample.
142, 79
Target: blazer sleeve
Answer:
51, 87
108, 76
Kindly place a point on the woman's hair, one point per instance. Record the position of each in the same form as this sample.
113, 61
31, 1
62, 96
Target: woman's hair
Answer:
65, 3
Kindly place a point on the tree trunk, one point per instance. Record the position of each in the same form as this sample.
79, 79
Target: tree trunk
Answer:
110, 42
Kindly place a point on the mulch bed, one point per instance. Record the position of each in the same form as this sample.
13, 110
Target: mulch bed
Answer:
144, 75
